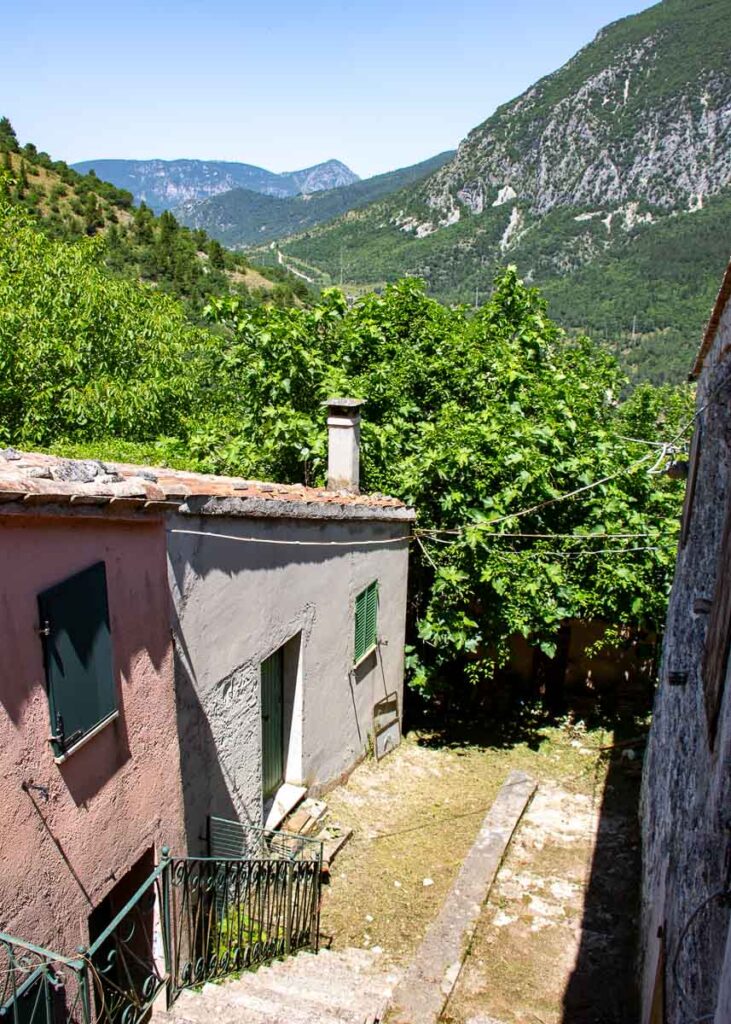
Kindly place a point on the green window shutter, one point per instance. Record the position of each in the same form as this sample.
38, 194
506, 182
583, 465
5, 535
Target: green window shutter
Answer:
74, 618
360, 624
371, 616
366, 620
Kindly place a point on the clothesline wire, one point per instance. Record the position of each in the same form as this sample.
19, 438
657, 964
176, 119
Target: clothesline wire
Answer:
667, 447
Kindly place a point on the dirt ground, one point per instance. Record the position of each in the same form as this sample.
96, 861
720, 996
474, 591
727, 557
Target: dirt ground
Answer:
415, 816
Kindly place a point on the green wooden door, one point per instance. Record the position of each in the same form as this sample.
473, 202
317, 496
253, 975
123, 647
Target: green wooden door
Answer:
272, 723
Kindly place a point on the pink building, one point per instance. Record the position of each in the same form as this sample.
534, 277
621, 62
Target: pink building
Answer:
89, 757
182, 658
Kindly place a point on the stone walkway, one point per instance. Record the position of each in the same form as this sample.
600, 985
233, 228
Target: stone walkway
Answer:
555, 941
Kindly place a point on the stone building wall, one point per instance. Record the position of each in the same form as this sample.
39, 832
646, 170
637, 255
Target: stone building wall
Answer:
686, 798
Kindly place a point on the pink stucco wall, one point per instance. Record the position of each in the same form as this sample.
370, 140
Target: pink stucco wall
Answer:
119, 794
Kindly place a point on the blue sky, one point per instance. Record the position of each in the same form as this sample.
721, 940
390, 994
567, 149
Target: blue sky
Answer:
378, 84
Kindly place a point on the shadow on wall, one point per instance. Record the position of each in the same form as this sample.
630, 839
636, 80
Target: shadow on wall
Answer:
92, 766
137, 591
206, 789
603, 985
206, 550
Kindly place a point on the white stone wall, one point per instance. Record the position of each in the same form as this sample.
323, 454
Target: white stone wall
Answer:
239, 593
686, 799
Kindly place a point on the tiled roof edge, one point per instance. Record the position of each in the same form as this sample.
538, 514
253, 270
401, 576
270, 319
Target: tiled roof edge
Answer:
272, 508
723, 297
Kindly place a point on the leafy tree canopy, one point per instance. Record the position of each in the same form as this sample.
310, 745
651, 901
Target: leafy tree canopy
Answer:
484, 422
84, 355
473, 419
8, 138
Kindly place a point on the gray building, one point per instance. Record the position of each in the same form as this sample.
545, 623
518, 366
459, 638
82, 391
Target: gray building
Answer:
686, 796
289, 607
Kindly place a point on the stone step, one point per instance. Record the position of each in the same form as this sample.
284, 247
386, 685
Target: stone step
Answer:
296, 1009
306, 971
349, 986
349, 960
195, 1008
324, 991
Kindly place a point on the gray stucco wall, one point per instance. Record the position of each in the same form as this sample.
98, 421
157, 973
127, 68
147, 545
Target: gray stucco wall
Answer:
239, 594
686, 799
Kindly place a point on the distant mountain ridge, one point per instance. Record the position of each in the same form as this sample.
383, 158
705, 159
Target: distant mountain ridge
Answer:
166, 184
242, 217
608, 183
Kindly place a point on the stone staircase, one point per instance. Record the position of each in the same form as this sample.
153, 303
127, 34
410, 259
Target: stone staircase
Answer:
349, 986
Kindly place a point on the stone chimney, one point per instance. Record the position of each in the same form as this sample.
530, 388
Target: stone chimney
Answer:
343, 455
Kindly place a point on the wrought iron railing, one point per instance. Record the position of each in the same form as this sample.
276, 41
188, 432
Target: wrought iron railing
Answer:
226, 916
38, 986
126, 971
193, 920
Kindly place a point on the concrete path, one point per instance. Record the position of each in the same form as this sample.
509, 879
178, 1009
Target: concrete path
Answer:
420, 996
555, 941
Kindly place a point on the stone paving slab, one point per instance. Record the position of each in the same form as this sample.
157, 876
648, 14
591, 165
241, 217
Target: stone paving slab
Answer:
428, 982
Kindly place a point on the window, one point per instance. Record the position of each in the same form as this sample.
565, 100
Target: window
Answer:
74, 618
366, 621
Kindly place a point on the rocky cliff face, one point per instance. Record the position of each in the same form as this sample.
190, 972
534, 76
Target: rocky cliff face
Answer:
167, 184
640, 115
332, 174
607, 183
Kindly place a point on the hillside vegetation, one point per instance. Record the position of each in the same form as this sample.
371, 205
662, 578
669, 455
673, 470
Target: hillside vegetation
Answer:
242, 217
608, 183
137, 245
485, 422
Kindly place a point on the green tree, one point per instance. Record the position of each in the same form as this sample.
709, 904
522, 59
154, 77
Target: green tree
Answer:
8, 138
83, 355
509, 437
474, 420
216, 254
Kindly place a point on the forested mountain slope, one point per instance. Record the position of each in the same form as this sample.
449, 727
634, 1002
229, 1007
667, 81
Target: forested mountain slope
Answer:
166, 184
243, 217
608, 183
137, 245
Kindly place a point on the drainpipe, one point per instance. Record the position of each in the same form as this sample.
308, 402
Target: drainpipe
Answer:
343, 454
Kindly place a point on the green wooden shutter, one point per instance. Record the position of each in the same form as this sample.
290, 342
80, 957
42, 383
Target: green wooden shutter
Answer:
360, 625
371, 616
74, 618
366, 620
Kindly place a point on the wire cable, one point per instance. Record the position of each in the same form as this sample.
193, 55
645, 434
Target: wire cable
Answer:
719, 894
297, 543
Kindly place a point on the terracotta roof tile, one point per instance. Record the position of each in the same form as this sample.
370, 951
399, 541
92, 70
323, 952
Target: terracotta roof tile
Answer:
34, 477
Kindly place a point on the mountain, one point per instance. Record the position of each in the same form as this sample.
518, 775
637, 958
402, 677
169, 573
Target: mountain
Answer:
136, 244
608, 183
165, 184
242, 217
